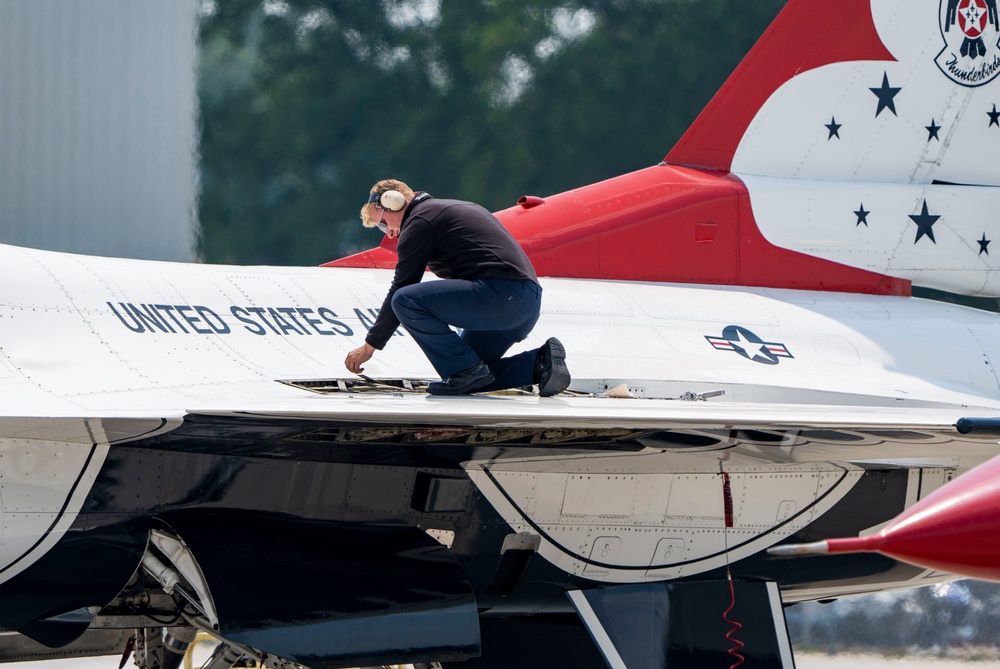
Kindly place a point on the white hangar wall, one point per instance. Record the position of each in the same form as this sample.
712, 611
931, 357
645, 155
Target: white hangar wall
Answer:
98, 126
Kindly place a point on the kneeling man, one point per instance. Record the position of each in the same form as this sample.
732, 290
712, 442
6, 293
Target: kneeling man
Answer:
489, 290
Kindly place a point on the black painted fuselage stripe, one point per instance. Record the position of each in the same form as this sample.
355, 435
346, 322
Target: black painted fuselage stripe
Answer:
151, 431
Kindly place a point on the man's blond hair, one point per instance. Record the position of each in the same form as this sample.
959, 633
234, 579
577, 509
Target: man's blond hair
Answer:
385, 184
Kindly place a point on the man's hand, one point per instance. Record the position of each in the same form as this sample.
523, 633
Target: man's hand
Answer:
358, 357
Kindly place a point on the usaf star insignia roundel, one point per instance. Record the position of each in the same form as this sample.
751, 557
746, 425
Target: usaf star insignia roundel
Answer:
971, 33
740, 340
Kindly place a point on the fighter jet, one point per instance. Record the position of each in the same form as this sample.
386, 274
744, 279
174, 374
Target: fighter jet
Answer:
181, 449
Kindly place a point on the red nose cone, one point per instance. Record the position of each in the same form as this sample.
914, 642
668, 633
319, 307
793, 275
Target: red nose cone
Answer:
955, 529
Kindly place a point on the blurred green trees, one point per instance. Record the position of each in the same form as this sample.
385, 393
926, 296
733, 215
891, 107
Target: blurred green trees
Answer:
306, 103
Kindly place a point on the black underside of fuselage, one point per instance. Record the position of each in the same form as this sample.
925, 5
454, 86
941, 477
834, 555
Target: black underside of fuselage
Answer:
293, 502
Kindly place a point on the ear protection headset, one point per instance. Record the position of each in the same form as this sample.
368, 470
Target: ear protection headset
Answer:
390, 200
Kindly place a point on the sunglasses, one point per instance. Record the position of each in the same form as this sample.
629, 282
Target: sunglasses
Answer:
382, 227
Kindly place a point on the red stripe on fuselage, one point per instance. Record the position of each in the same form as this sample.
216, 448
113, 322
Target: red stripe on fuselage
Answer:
667, 224
673, 224
664, 224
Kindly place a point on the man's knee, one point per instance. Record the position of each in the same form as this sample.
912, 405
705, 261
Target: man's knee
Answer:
404, 305
401, 301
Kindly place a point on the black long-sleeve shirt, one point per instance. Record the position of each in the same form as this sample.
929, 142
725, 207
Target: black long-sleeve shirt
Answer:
455, 240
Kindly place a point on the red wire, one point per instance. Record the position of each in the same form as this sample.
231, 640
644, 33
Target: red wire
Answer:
727, 498
737, 644
727, 503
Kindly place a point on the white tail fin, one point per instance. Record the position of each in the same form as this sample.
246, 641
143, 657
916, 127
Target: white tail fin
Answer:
900, 91
867, 133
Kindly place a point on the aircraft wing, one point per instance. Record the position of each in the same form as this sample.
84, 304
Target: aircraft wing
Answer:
578, 410
177, 456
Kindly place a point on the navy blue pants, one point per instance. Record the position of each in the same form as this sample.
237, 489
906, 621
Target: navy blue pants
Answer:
493, 314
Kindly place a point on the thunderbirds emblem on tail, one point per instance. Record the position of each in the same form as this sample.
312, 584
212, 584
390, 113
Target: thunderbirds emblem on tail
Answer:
971, 32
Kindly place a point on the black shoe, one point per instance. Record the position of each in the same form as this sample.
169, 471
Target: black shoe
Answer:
465, 382
550, 363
